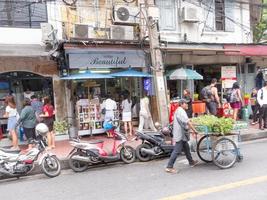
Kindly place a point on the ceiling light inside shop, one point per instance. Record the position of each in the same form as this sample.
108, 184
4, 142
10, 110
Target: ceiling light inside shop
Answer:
99, 71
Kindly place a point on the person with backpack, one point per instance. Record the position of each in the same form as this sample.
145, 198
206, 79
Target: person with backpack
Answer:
235, 99
209, 95
262, 100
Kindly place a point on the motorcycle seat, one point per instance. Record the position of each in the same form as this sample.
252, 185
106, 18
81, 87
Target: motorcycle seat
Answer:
95, 141
10, 150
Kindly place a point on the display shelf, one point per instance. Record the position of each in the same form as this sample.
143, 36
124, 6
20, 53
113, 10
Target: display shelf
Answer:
89, 116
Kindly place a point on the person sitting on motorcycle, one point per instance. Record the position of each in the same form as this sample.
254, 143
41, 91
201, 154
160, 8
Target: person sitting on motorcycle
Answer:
181, 125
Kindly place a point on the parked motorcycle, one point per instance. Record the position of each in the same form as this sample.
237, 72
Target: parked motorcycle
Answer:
154, 144
87, 153
13, 163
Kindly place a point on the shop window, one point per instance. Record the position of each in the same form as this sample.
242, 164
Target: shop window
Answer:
22, 14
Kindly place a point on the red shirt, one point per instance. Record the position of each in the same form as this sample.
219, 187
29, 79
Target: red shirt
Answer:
49, 109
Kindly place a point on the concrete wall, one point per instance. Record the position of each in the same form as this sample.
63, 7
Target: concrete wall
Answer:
195, 32
41, 66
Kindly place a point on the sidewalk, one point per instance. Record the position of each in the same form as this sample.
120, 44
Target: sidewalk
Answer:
63, 148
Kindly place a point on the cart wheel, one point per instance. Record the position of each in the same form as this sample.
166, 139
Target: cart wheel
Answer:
204, 149
224, 153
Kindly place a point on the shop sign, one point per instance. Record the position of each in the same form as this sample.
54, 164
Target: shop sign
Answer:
106, 59
228, 76
228, 72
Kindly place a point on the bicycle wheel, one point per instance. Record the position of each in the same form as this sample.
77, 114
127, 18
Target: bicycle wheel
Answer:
204, 149
224, 153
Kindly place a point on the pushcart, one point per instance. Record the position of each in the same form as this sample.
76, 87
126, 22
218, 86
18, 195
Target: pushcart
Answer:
222, 150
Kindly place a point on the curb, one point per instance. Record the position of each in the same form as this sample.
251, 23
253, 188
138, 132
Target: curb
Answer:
64, 161
254, 136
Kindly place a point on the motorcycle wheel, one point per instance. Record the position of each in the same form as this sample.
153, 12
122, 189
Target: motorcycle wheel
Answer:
76, 165
51, 166
127, 154
143, 156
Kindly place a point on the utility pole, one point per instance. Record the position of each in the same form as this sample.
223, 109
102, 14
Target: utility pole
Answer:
158, 68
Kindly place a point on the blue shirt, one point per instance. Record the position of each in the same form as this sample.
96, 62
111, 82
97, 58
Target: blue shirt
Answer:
37, 106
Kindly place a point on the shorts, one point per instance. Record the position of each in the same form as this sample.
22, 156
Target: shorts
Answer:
11, 123
49, 122
30, 134
126, 116
236, 105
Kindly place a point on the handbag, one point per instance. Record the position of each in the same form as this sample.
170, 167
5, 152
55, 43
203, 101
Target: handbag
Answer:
103, 111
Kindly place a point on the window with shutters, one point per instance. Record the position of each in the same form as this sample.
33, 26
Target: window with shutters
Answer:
219, 15
167, 14
22, 14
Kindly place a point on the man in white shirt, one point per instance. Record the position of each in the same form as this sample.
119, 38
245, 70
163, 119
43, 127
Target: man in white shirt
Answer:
262, 100
110, 106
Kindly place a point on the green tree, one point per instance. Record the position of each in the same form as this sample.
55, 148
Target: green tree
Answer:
260, 30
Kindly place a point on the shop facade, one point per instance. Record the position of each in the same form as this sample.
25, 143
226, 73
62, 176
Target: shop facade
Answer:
210, 60
86, 95
23, 72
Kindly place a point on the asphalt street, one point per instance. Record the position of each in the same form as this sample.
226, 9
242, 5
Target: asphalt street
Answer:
246, 180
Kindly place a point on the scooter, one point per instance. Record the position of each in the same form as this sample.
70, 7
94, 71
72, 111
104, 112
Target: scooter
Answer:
154, 144
14, 163
87, 153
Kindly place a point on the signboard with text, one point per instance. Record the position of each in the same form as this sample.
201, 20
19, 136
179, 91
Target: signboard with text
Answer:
228, 76
106, 59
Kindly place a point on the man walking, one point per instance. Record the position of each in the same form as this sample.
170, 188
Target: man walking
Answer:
262, 100
210, 96
181, 126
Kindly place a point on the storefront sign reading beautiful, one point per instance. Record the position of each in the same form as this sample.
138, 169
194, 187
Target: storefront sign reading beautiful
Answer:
81, 59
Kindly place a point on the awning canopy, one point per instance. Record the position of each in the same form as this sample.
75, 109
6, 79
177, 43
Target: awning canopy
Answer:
246, 50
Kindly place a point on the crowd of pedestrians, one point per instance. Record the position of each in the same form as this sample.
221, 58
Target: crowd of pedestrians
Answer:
33, 112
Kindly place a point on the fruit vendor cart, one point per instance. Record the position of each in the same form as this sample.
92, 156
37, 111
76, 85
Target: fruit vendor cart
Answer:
222, 149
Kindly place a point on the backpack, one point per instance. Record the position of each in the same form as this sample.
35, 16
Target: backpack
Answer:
205, 93
228, 95
233, 96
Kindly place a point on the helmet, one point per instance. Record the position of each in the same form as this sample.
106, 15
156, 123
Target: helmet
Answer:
166, 131
108, 125
157, 125
41, 129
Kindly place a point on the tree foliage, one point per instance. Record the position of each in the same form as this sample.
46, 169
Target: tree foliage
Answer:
260, 30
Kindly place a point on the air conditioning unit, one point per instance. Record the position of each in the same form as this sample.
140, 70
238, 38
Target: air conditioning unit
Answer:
121, 32
190, 14
126, 15
81, 31
47, 32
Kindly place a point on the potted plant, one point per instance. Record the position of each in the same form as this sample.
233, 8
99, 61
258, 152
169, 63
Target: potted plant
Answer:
61, 127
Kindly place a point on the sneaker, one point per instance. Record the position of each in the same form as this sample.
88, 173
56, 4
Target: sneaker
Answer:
171, 170
253, 123
194, 163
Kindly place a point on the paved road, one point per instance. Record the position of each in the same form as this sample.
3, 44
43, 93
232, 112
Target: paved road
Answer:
246, 181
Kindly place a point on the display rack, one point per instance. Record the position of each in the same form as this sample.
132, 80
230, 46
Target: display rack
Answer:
90, 118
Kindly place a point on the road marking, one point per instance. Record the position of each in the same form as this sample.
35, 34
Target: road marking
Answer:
210, 190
